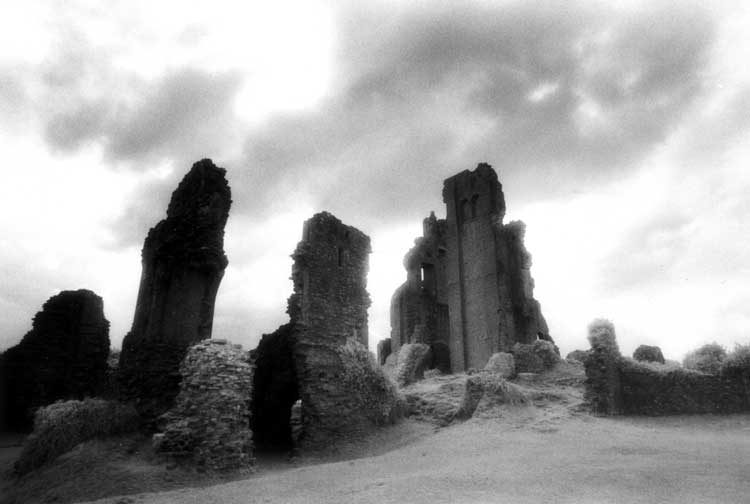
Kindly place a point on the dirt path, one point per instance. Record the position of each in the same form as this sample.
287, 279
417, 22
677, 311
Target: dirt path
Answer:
517, 459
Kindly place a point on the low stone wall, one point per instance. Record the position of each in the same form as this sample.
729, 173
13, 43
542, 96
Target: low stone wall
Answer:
647, 390
209, 424
616, 385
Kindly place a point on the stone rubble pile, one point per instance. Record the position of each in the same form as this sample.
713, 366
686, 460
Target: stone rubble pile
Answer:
209, 425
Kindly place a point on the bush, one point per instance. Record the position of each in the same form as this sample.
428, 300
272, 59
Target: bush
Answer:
707, 359
63, 425
646, 353
547, 352
535, 358
602, 335
577, 355
603, 389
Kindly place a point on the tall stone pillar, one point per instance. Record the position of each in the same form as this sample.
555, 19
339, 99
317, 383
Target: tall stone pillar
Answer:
183, 262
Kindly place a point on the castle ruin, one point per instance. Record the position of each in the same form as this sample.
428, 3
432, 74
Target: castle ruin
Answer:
469, 291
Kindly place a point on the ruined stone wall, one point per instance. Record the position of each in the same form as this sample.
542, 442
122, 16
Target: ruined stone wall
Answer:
64, 356
527, 319
329, 305
209, 424
419, 307
183, 262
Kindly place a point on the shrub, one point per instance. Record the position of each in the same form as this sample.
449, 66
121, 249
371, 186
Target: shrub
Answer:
535, 358
647, 353
602, 335
376, 394
547, 352
737, 362
603, 388
707, 359
63, 425
502, 363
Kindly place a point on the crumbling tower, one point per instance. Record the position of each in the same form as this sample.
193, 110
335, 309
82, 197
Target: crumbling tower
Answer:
320, 357
329, 305
468, 282
183, 262
475, 207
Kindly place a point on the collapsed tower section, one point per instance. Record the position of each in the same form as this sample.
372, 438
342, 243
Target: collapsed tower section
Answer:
469, 285
183, 262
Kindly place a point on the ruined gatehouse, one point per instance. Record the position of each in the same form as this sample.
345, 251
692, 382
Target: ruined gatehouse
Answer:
469, 291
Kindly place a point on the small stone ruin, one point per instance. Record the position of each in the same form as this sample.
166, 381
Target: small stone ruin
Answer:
183, 262
64, 356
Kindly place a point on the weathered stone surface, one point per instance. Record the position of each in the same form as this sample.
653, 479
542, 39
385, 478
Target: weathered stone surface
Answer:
648, 353
413, 360
485, 392
384, 350
503, 364
208, 426
577, 355
64, 356
390, 366
469, 285
183, 262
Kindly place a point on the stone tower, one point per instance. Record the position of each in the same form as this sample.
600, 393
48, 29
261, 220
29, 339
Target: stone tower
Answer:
183, 262
320, 357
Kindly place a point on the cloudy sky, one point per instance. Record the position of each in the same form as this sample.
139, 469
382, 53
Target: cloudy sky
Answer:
620, 131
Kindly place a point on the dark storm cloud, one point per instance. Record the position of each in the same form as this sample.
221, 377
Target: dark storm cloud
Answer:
553, 98
186, 115
147, 206
182, 116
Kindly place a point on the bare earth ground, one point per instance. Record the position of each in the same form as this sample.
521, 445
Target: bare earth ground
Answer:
547, 451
